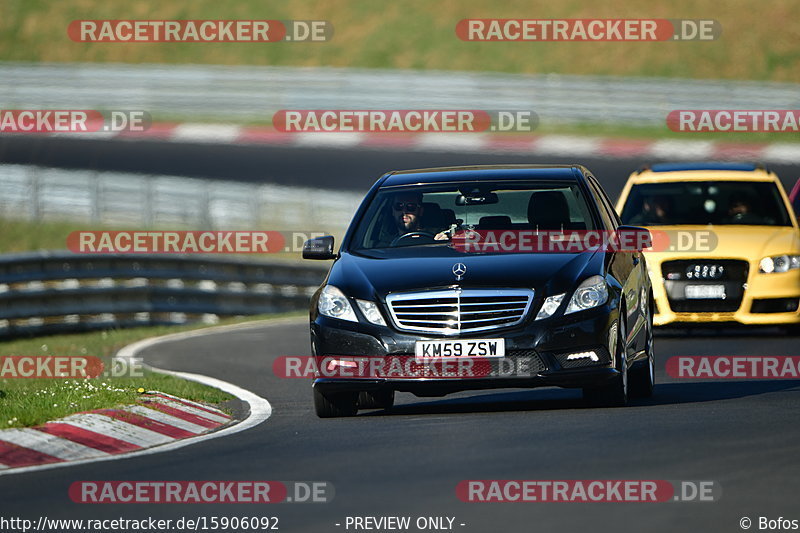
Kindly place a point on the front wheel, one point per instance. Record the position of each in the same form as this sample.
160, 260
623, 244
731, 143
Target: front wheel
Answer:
615, 392
332, 405
643, 378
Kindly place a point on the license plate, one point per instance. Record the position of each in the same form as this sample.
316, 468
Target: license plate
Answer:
705, 292
460, 348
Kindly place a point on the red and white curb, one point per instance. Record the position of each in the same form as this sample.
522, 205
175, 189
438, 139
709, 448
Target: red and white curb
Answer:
158, 419
159, 423
523, 144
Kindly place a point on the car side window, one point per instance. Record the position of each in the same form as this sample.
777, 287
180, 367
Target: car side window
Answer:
609, 221
607, 202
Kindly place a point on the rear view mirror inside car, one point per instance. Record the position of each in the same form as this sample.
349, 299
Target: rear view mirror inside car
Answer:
477, 198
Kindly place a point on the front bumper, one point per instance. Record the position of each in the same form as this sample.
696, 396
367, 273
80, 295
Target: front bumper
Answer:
544, 345
765, 299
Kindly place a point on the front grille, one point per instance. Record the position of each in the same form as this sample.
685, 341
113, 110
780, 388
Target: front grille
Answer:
731, 273
455, 311
709, 270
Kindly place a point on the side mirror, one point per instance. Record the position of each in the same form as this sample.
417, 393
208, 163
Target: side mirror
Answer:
633, 238
319, 248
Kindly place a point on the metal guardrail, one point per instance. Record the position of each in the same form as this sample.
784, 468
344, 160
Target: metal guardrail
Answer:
124, 199
239, 93
52, 292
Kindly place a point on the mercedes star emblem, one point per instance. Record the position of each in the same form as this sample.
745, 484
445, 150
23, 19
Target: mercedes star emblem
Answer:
459, 269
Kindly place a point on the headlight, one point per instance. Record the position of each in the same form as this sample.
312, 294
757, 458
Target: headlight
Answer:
334, 304
779, 263
549, 306
591, 293
371, 312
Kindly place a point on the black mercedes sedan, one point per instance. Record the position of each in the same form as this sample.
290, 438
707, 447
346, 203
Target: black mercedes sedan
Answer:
482, 277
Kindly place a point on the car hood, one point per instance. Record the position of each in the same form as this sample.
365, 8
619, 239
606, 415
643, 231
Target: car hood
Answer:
734, 242
374, 277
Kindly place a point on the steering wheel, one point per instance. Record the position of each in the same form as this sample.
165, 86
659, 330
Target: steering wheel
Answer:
413, 235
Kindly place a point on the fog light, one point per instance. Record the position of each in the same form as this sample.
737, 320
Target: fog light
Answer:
583, 355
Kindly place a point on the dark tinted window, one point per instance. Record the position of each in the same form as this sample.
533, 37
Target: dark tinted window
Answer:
433, 209
606, 211
705, 202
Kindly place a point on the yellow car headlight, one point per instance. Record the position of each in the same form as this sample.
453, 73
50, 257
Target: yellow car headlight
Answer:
779, 263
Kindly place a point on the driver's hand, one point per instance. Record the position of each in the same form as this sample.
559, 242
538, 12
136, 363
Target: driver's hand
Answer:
442, 236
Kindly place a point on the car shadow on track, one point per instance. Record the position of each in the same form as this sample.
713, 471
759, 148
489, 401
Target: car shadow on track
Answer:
565, 399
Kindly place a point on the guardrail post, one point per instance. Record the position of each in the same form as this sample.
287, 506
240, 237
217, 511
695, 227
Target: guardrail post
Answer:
35, 188
97, 198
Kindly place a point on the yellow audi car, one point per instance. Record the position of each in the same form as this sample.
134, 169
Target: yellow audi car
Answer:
726, 242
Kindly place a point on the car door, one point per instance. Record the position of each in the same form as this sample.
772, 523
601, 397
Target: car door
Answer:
629, 268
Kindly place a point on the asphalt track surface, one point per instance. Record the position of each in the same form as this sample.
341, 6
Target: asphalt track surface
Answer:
329, 168
407, 461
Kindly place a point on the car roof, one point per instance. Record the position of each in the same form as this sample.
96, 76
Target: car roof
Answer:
485, 173
711, 165
703, 171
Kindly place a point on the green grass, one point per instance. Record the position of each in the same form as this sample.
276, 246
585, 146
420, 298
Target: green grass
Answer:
28, 402
24, 235
758, 42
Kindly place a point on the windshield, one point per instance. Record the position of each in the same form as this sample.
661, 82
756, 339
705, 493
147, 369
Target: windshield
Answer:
705, 202
432, 215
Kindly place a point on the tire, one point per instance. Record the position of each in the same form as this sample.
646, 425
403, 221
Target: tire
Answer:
332, 405
614, 393
642, 379
382, 399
